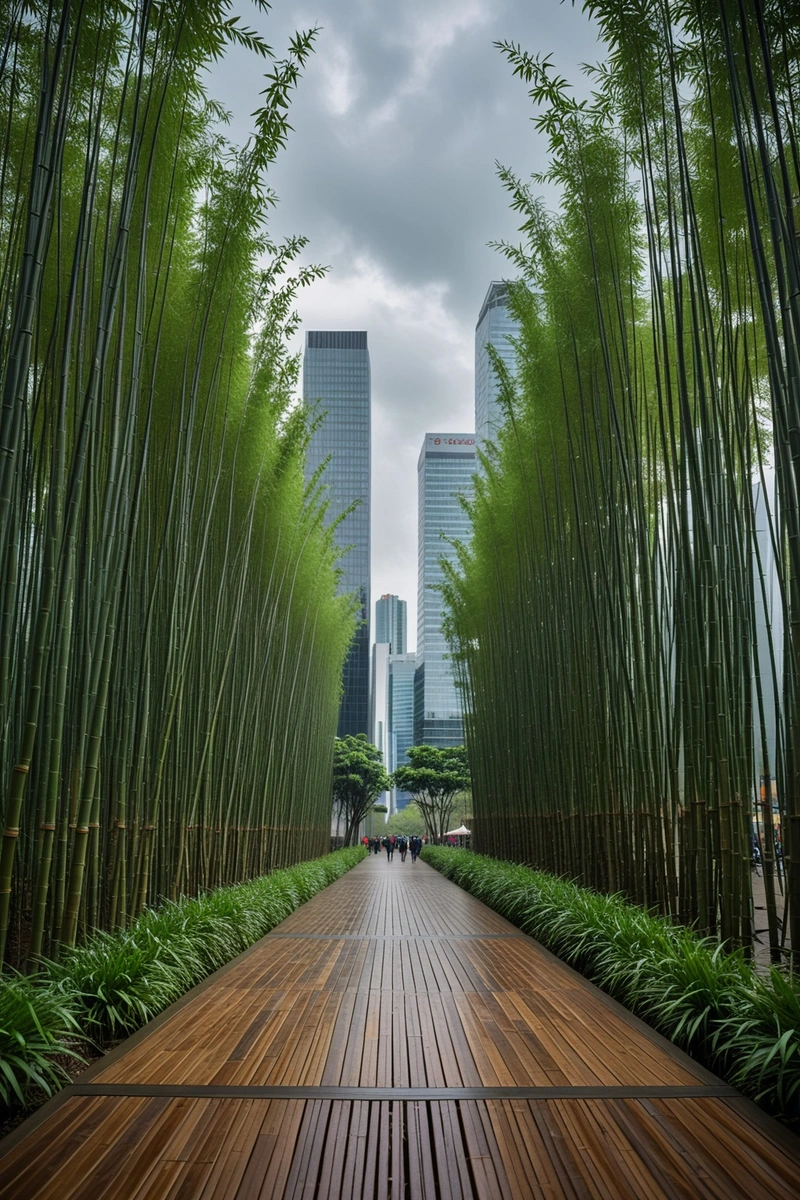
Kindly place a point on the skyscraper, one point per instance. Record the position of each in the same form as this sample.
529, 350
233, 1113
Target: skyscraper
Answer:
379, 704
495, 327
391, 621
446, 467
336, 376
401, 717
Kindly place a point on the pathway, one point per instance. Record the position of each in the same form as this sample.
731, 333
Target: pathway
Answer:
396, 1038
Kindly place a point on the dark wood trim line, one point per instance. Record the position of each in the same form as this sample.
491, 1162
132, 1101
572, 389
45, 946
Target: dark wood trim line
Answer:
427, 1094
400, 937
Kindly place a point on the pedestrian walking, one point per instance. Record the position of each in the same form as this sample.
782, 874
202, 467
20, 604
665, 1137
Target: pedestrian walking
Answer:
388, 845
403, 848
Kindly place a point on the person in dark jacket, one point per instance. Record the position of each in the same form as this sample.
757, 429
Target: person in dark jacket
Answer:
388, 846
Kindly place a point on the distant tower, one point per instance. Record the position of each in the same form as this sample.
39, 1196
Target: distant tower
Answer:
336, 376
380, 718
390, 622
446, 468
495, 327
401, 717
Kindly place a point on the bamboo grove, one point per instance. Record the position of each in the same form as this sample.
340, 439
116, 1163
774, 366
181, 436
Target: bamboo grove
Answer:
170, 636
626, 620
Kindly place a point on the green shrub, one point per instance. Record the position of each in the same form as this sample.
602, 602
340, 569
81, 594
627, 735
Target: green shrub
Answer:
706, 1000
121, 980
35, 1022
761, 1038
116, 982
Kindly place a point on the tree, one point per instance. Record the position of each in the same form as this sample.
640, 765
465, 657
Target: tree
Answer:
358, 779
434, 777
408, 821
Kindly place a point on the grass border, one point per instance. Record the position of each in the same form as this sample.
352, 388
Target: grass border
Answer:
703, 1002
51, 982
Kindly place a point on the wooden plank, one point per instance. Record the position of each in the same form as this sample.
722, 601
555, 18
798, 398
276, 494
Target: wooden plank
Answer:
334, 1147
282, 1126
304, 1171
486, 1162
397, 1139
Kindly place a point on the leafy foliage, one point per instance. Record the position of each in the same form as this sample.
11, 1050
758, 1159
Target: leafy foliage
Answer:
709, 1002
408, 821
171, 623
617, 621
36, 1025
434, 777
118, 981
359, 778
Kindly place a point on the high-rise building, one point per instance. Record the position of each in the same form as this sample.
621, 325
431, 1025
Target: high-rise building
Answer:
446, 468
380, 718
390, 622
496, 327
401, 717
336, 377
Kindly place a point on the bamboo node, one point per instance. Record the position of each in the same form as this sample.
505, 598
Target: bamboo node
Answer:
10, 833
21, 769
47, 827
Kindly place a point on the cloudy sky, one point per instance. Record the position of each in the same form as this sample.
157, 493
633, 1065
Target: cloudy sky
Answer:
390, 172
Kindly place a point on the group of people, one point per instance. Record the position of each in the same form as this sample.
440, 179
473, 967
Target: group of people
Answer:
403, 845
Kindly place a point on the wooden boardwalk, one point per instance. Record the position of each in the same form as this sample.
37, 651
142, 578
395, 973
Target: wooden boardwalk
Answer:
396, 1038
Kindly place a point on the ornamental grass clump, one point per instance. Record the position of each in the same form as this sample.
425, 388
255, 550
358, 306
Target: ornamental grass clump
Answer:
701, 996
116, 982
761, 1040
36, 1026
121, 980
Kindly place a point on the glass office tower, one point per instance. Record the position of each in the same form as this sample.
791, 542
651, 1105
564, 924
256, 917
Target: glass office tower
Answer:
446, 468
495, 327
401, 717
336, 378
391, 621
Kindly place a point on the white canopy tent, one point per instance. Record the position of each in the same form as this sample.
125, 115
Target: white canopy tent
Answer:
462, 831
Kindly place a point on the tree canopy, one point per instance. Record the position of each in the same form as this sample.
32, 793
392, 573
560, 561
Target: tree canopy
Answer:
409, 821
434, 777
359, 778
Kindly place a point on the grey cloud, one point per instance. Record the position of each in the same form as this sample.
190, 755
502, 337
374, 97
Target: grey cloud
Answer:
390, 172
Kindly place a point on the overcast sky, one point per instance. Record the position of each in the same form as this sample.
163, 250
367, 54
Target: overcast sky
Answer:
390, 172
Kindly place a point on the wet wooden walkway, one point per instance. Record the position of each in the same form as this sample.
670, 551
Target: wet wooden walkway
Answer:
396, 1038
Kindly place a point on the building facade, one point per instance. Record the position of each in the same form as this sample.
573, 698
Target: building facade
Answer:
336, 381
496, 327
445, 470
391, 620
401, 717
380, 718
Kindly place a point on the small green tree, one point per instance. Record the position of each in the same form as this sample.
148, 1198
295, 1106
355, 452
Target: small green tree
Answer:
408, 821
434, 777
358, 779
